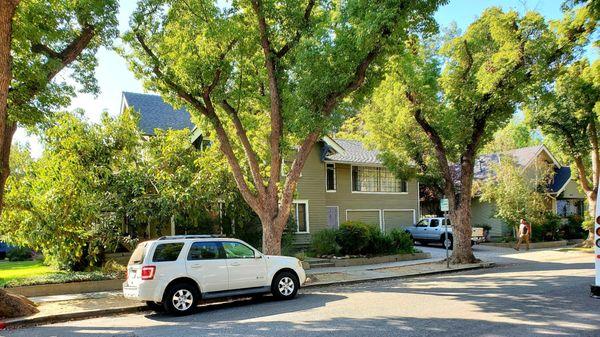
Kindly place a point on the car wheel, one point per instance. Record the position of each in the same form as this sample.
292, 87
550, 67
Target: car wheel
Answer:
155, 306
451, 243
285, 285
181, 299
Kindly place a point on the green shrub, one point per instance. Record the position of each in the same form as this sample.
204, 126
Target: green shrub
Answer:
19, 254
380, 243
549, 230
353, 237
402, 241
324, 242
573, 228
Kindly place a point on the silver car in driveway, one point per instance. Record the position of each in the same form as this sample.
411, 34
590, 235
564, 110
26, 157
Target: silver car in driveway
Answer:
432, 230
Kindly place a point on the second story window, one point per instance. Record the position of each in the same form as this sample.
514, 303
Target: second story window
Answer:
376, 180
330, 178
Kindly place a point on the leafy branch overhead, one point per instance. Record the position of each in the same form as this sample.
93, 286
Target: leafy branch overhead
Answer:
268, 79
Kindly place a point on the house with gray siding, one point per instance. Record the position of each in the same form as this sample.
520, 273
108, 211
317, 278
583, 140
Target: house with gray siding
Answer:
562, 194
341, 181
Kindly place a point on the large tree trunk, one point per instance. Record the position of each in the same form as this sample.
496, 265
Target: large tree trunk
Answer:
462, 251
272, 232
7, 127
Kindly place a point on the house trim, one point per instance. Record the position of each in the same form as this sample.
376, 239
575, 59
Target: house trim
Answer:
334, 178
302, 201
334, 145
545, 149
364, 192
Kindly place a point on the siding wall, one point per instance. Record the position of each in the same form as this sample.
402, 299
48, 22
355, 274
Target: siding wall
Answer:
311, 187
482, 213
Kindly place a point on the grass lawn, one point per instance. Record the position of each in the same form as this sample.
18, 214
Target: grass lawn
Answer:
21, 270
15, 274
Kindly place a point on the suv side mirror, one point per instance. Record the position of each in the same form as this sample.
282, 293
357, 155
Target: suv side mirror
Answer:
258, 256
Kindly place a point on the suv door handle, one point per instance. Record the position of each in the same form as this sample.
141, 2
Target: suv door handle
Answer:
234, 264
196, 266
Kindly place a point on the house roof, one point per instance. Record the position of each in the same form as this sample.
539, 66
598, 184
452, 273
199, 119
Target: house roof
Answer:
523, 157
156, 113
352, 152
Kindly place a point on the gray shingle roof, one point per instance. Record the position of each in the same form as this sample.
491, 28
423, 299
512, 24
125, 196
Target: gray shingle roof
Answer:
354, 153
522, 157
156, 114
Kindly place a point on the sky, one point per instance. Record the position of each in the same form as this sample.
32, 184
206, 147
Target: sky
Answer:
114, 77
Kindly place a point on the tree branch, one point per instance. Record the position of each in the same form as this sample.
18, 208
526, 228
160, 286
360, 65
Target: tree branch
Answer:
208, 111
250, 154
276, 117
305, 21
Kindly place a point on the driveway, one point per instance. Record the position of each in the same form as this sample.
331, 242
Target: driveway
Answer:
539, 293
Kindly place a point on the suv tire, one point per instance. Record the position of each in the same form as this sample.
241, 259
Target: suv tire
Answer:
181, 299
285, 285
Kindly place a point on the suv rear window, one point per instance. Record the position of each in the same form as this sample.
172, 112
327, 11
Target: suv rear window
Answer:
138, 254
167, 252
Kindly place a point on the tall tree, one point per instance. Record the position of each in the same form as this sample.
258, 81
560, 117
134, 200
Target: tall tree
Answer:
269, 77
568, 114
446, 102
38, 39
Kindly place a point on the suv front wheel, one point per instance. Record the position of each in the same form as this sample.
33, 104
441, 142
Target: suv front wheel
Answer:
181, 299
285, 285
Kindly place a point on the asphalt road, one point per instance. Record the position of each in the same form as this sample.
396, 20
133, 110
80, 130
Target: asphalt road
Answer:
541, 293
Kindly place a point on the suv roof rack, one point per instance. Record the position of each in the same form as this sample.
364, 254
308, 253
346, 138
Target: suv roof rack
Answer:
198, 236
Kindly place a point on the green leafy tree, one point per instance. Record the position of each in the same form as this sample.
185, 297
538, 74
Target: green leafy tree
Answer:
268, 78
444, 99
515, 135
38, 39
517, 194
567, 114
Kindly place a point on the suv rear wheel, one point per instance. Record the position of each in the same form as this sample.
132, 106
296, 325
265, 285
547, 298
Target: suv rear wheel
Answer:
181, 299
285, 285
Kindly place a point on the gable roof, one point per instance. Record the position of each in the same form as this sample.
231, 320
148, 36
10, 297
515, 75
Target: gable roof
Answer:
156, 113
354, 152
523, 157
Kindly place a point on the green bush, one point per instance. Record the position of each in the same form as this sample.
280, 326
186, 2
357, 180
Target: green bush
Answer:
324, 242
353, 237
402, 241
573, 228
357, 238
380, 243
19, 254
549, 230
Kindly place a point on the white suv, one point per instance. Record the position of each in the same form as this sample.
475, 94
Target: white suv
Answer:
174, 272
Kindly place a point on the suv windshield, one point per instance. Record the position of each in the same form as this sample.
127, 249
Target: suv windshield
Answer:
138, 254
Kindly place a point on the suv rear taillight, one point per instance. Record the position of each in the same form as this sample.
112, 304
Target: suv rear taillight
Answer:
148, 272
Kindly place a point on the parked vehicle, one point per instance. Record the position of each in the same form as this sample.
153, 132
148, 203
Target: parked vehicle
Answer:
429, 230
174, 273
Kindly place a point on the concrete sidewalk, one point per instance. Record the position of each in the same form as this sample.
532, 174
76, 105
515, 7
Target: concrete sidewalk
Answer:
80, 306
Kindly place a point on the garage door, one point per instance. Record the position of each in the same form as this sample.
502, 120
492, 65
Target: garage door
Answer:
395, 219
370, 217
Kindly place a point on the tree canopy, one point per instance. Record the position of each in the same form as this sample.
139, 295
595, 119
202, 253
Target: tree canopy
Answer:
444, 98
268, 78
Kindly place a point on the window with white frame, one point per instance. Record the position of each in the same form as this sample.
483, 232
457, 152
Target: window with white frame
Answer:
376, 180
300, 215
330, 183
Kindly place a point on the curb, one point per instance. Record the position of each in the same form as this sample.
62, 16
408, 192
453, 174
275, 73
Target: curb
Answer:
58, 318
33, 321
394, 277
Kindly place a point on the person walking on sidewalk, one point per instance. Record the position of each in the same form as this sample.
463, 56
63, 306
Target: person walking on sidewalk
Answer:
524, 234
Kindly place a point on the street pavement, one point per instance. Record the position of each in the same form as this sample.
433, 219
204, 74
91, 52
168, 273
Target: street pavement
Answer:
537, 293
